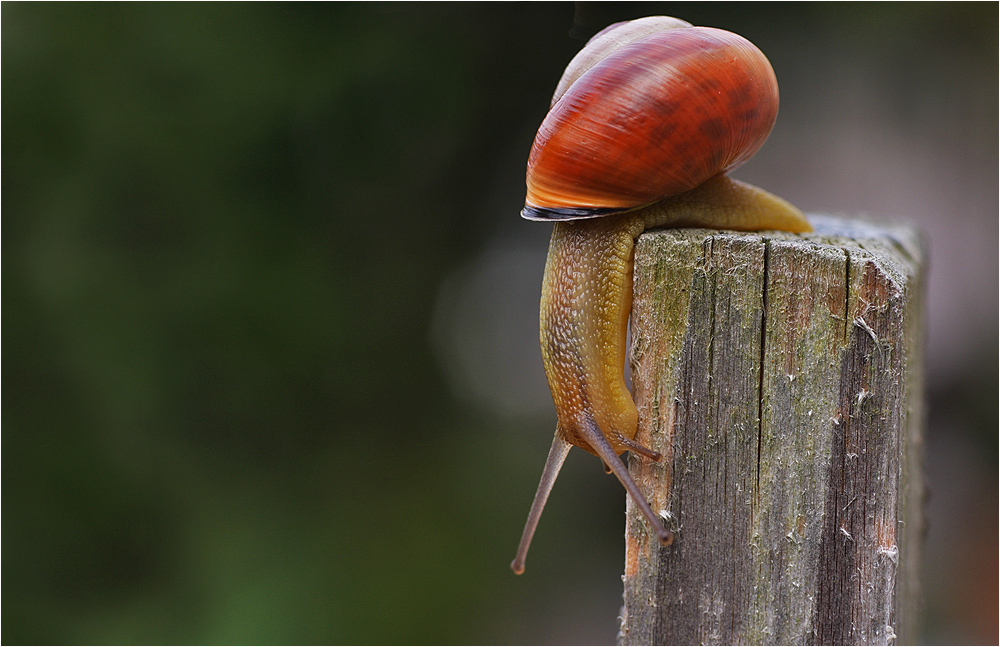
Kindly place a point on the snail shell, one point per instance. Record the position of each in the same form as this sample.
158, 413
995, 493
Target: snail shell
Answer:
650, 110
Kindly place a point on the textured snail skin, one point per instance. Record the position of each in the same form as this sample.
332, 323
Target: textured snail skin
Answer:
586, 303
587, 298
641, 138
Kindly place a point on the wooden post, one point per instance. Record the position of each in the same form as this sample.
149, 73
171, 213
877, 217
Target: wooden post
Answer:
780, 376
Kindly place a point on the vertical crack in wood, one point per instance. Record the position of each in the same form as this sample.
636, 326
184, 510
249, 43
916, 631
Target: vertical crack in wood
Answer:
760, 375
712, 275
847, 293
833, 610
817, 562
862, 504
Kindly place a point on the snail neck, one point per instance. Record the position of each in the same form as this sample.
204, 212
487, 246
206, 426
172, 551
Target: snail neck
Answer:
587, 297
725, 203
586, 302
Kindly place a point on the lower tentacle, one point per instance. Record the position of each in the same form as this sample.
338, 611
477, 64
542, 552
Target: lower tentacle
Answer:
603, 449
554, 462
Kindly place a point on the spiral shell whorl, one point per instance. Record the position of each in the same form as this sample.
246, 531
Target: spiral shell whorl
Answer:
609, 40
654, 118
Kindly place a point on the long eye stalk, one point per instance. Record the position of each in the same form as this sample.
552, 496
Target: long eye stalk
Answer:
554, 463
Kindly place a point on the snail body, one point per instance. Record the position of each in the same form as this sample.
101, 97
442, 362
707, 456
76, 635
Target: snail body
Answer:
643, 127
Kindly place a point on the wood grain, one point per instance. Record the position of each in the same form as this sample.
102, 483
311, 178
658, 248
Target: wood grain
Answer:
780, 375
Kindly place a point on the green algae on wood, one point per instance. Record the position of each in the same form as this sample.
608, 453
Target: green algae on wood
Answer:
780, 375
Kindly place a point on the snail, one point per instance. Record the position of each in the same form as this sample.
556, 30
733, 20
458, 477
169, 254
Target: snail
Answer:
643, 126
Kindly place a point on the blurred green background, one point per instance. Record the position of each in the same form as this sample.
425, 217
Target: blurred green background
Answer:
270, 365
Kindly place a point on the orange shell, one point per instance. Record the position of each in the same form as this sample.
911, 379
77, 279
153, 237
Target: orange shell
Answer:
654, 119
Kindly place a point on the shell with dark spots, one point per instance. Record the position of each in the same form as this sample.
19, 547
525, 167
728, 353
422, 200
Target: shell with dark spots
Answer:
654, 118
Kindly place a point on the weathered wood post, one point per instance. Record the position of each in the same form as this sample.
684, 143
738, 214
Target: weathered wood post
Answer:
780, 376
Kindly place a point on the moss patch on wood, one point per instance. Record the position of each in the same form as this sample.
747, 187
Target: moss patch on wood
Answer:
780, 376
